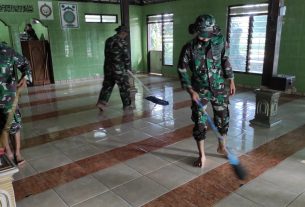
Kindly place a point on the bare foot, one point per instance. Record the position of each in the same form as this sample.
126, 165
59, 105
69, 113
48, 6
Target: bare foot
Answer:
222, 150
19, 160
200, 162
101, 106
128, 108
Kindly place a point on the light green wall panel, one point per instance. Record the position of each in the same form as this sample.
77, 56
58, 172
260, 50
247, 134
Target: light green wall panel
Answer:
4, 33
292, 56
292, 42
136, 22
185, 13
77, 53
41, 31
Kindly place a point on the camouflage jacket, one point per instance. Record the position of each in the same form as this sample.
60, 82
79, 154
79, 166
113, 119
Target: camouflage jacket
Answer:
208, 63
9, 59
117, 58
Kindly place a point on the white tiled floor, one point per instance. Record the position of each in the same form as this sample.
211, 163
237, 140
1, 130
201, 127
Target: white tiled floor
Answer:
144, 178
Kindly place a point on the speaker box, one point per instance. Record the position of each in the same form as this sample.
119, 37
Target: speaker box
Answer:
282, 82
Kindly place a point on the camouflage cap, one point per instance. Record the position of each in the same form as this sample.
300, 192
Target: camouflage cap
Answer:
205, 25
122, 28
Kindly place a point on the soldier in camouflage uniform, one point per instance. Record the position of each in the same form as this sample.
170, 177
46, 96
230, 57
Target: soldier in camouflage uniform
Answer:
9, 60
117, 62
207, 59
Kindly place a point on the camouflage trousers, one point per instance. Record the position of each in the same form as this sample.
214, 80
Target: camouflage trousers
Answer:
221, 114
16, 122
124, 87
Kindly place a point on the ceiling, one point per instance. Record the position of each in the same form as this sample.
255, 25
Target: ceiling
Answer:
134, 2
144, 2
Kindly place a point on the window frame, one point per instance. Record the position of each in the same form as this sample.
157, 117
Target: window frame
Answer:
251, 17
101, 16
162, 32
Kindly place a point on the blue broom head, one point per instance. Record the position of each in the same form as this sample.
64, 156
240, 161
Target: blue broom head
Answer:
156, 100
238, 168
233, 160
240, 171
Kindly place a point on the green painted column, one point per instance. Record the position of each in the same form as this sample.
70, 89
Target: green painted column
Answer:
15, 38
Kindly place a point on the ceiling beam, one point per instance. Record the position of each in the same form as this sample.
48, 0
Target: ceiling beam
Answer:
132, 2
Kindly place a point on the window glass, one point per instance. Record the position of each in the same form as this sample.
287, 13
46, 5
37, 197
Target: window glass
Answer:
109, 18
247, 35
160, 36
92, 18
100, 18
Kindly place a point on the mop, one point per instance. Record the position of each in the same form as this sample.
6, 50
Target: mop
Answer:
233, 159
152, 99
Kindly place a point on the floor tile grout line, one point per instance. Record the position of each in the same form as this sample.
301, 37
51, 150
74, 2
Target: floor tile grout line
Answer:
295, 199
128, 158
33, 91
179, 140
281, 139
58, 113
78, 163
59, 99
52, 88
61, 134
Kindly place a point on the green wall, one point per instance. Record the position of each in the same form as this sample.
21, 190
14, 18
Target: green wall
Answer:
136, 22
292, 56
4, 33
77, 53
185, 11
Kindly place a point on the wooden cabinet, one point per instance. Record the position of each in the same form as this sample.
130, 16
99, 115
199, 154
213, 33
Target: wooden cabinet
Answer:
39, 55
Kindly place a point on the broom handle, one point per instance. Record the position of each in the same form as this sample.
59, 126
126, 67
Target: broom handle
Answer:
233, 159
5, 131
211, 123
137, 79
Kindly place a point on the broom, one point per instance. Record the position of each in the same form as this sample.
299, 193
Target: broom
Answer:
153, 99
233, 159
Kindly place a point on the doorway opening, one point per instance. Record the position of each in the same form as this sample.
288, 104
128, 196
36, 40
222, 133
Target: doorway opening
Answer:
159, 42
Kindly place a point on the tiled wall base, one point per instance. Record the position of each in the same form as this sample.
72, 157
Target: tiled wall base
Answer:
78, 80
292, 91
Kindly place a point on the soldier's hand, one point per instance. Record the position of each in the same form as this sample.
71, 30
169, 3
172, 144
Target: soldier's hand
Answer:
22, 83
232, 87
131, 71
194, 95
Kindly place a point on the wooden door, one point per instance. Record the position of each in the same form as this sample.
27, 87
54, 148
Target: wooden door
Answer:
37, 52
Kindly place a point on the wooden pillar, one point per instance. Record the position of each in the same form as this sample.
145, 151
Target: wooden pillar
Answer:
273, 38
125, 12
267, 99
125, 17
125, 21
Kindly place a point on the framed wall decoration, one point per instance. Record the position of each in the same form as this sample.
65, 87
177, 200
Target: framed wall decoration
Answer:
45, 9
68, 15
